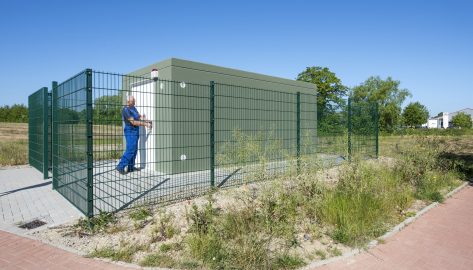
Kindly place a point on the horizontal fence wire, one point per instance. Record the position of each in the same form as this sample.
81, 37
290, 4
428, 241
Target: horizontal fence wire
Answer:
202, 136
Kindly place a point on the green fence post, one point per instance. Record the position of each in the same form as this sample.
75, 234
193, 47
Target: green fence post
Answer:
298, 132
54, 131
90, 157
349, 129
377, 128
44, 91
212, 134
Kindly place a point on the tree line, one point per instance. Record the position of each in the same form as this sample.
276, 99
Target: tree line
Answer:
17, 113
331, 104
386, 93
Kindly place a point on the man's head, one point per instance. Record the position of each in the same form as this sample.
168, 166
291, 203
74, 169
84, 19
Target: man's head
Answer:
130, 101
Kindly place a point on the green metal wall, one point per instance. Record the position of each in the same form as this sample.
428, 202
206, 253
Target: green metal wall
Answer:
175, 121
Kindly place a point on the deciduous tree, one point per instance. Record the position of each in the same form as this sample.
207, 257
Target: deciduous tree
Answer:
415, 114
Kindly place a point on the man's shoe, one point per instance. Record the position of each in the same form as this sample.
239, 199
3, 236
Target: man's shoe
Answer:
121, 171
134, 169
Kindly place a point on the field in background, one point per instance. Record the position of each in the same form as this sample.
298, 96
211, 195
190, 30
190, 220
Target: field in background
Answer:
459, 148
13, 144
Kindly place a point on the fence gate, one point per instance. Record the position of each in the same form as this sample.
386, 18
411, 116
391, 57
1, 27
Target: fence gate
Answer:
38, 131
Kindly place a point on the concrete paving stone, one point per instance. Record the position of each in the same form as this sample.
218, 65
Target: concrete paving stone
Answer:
20, 201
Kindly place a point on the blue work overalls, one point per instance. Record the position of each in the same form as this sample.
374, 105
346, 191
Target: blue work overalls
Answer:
132, 133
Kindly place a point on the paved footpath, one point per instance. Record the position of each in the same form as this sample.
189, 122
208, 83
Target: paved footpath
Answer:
440, 239
25, 196
18, 252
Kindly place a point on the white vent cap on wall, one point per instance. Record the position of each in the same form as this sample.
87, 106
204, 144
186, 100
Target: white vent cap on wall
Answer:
183, 157
183, 85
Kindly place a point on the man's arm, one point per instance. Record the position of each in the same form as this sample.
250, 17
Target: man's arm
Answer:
143, 118
137, 123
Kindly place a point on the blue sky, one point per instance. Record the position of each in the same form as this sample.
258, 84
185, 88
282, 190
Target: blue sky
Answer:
427, 45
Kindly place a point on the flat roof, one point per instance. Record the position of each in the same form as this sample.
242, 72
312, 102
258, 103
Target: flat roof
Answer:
186, 64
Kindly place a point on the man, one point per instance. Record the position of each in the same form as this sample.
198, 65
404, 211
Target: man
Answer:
133, 120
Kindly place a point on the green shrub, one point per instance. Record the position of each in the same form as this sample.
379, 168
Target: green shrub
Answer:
158, 260
169, 247
207, 248
123, 253
286, 261
423, 166
140, 214
248, 251
321, 254
98, 223
165, 228
363, 203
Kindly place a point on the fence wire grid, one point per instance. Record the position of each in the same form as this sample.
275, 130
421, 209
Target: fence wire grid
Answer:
203, 136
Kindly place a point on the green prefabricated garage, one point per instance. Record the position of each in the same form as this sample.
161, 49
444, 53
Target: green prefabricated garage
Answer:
178, 104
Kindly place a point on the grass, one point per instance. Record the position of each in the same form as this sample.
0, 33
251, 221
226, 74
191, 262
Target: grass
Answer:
13, 152
158, 260
369, 197
363, 203
14, 142
123, 253
286, 261
140, 214
165, 228
262, 227
321, 254
98, 223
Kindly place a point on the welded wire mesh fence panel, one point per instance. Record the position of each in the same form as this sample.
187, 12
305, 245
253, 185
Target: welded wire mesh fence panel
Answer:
346, 129
50, 136
70, 140
37, 157
256, 132
186, 138
308, 129
364, 129
171, 159
332, 130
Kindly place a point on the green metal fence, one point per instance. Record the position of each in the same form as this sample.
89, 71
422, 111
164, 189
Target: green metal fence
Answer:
347, 129
70, 141
38, 137
203, 136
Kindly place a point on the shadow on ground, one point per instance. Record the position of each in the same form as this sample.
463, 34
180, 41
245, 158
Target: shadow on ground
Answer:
462, 161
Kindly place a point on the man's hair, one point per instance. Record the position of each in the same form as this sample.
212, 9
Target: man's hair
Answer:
130, 98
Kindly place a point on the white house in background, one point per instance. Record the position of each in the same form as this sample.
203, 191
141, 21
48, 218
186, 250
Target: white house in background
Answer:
444, 120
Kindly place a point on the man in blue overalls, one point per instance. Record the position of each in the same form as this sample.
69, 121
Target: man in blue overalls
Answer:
133, 121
